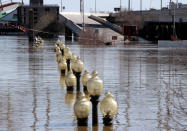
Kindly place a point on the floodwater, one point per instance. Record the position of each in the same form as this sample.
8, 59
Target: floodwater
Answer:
149, 84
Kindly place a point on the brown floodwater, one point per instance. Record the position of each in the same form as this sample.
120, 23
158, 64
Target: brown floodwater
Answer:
149, 84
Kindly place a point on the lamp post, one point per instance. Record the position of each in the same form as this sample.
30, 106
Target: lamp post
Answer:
73, 60
78, 67
67, 54
95, 88
95, 6
84, 79
55, 47
62, 66
62, 47
82, 110
120, 6
129, 5
70, 81
108, 108
58, 55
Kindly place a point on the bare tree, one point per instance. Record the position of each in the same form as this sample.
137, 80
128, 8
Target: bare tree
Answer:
129, 18
91, 36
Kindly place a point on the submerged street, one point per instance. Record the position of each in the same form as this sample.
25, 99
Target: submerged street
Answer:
149, 84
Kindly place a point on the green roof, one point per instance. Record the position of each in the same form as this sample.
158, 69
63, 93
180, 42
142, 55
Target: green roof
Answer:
2, 15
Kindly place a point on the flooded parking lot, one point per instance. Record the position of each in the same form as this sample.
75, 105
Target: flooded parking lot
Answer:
149, 84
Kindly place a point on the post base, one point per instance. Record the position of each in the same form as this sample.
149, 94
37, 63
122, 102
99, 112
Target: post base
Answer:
95, 101
62, 52
69, 88
63, 72
73, 71
78, 75
68, 64
85, 89
82, 121
107, 121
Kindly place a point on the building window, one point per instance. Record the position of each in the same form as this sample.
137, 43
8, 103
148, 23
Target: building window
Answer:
24, 11
35, 9
47, 9
35, 20
24, 20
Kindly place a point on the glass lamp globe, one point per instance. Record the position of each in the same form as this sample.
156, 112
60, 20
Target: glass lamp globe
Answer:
70, 79
62, 65
108, 105
78, 65
82, 107
95, 85
84, 79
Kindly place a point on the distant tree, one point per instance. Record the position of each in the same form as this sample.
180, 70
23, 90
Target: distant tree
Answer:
129, 19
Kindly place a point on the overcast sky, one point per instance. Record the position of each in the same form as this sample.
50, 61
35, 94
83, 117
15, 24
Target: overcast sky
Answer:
107, 5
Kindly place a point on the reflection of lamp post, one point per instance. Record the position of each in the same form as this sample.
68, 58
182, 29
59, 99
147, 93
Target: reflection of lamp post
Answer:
70, 98
108, 128
86, 76
108, 108
82, 109
70, 81
95, 88
62, 66
62, 81
78, 67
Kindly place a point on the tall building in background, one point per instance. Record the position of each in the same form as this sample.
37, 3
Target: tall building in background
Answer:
43, 15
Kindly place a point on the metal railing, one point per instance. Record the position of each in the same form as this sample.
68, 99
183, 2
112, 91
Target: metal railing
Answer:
107, 24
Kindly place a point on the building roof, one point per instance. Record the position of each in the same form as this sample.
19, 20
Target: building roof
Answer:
10, 8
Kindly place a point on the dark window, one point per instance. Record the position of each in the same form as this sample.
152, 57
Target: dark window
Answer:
47, 9
24, 21
35, 9
24, 11
36, 13
35, 20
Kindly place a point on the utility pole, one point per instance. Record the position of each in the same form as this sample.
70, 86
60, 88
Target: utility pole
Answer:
141, 5
95, 6
161, 5
120, 5
61, 6
129, 6
83, 23
82, 12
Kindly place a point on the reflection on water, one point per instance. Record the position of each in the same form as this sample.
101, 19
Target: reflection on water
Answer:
148, 84
70, 98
